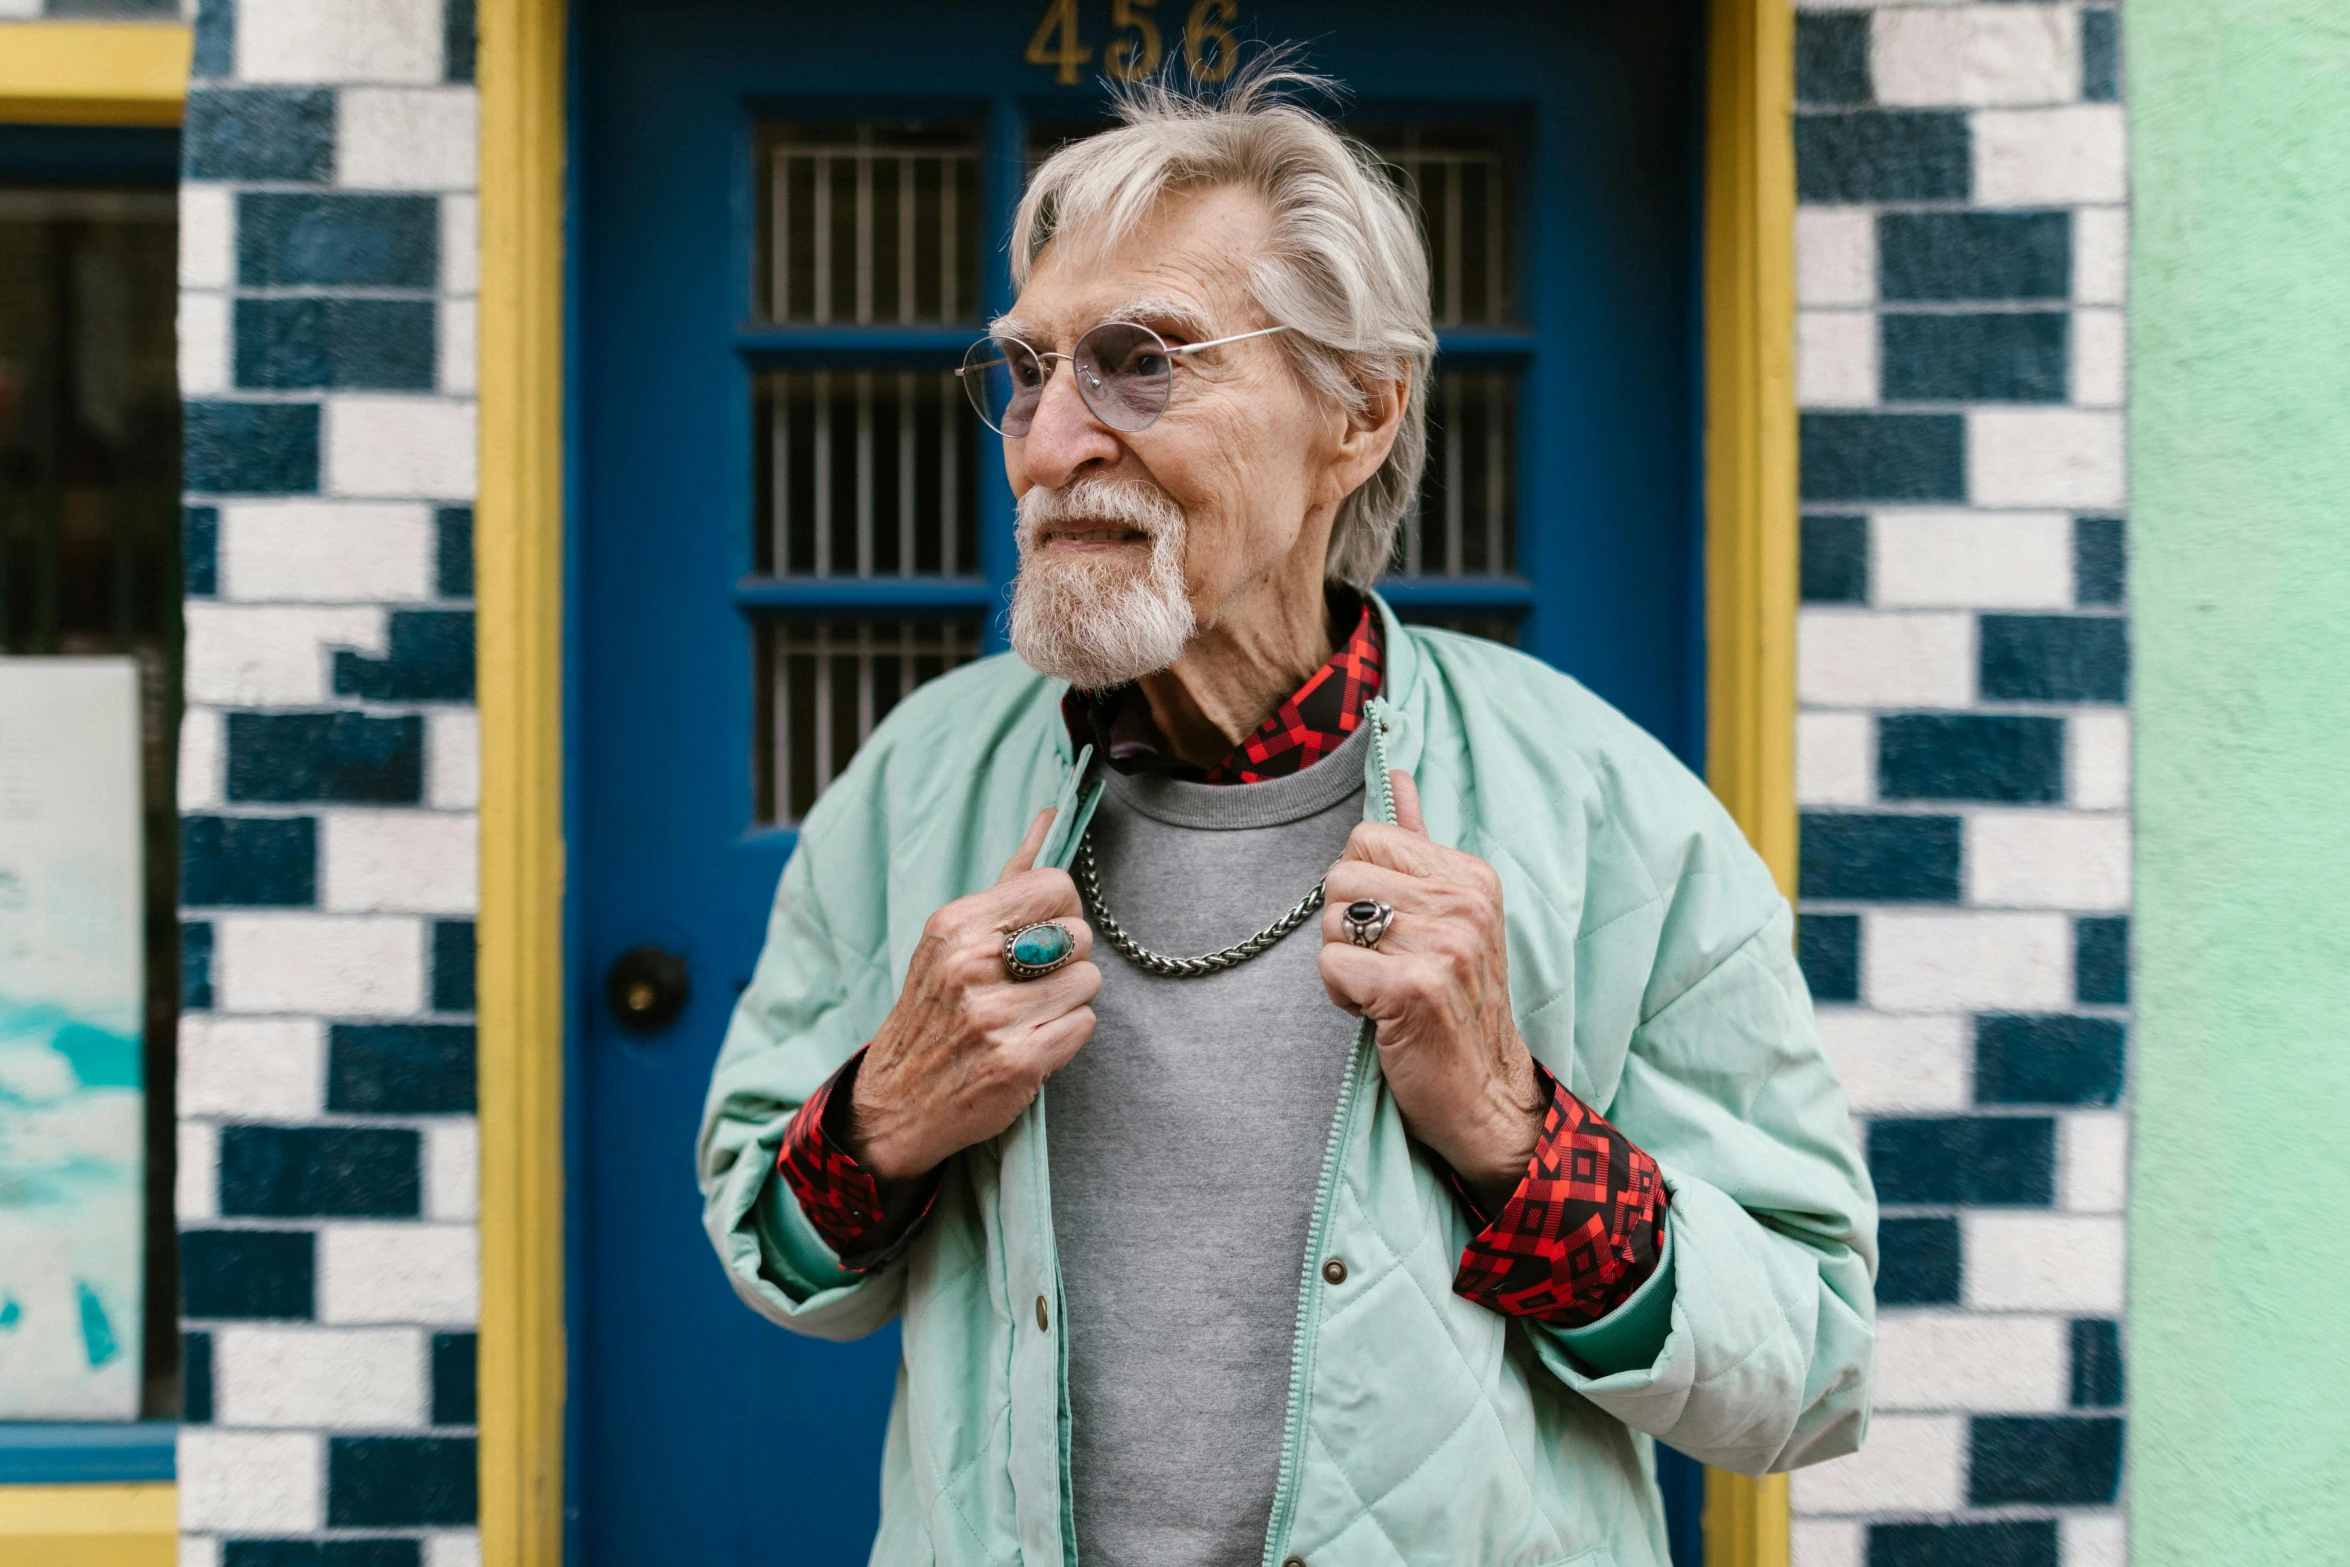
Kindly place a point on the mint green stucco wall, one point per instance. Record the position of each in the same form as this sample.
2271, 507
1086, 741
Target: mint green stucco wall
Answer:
2240, 465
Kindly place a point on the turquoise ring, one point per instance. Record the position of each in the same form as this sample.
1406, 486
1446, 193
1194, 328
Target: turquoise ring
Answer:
1033, 951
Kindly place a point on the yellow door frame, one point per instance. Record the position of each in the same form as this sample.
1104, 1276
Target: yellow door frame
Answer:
92, 73
1750, 631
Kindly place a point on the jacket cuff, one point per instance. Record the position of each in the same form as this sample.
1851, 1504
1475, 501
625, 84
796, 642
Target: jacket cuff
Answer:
840, 1198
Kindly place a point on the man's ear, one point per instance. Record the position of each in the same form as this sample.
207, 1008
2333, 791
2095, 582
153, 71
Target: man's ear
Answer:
1367, 434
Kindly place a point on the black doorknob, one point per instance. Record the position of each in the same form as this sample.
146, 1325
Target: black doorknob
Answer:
647, 987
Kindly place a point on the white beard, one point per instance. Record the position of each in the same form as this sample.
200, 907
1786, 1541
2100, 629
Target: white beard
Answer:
1099, 623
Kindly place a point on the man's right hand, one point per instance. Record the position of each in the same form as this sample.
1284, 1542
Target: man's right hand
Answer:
967, 1047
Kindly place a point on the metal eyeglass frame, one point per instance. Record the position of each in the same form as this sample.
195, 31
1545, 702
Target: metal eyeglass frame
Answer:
1086, 390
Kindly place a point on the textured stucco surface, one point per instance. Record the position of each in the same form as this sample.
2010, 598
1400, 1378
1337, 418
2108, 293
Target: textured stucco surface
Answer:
2240, 443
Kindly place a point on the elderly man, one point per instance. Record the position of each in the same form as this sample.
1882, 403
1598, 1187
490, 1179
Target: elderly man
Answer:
1197, 1027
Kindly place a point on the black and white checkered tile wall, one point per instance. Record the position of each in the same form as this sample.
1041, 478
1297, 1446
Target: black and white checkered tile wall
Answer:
327, 1187
1964, 755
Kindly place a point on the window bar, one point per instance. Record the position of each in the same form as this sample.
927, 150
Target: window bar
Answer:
950, 393
864, 473
950, 173
820, 503
906, 415
1498, 409
1453, 474
906, 187
820, 220
1495, 244
1452, 242
864, 156
821, 662
779, 477
779, 237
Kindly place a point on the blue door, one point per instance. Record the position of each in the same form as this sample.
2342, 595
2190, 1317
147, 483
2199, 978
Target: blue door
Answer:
788, 224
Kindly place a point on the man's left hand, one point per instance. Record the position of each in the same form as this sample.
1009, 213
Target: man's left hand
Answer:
1437, 989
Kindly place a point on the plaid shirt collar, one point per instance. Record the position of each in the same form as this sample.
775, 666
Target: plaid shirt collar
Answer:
1316, 719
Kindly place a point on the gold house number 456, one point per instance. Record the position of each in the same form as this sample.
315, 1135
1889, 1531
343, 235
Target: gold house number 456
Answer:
1208, 44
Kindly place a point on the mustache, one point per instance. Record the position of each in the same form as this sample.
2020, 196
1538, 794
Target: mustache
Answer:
1128, 503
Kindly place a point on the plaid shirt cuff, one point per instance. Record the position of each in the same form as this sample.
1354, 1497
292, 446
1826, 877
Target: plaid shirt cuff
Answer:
1581, 1232
840, 1196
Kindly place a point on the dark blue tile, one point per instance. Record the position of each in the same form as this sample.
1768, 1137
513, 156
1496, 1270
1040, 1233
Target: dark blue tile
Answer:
1898, 859
350, 758
2101, 565
400, 1068
2097, 1363
1832, 57
200, 551
2055, 658
1970, 756
2101, 55
1982, 1160
2101, 961
337, 241
289, 1172
429, 659
452, 965
195, 966
413, 1482
248, 861
453, 542
1828, 948
141, 10
196, 1379
1884, 155
247, 1273
453, 1402
344, 344
216, 40
1938, 256
250, 448
2024, 1544
457, 41
2048, 1059
321, 1553
1883, 457
2052, 1461
2007, 357
1835, 559
260, 133
1917, 1262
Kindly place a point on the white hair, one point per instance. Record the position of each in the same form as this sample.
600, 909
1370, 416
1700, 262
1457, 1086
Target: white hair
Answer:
1345, 268
1071, 623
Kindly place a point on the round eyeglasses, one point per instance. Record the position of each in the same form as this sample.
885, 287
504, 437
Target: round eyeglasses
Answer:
1125, 373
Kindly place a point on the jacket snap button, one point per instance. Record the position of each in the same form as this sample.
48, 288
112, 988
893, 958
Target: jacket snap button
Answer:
1293, 1561
1334, 1271
1042, 1320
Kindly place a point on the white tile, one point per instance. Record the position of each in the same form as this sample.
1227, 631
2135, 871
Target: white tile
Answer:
14, 9
413, 862
200, 781
459, 357
2097, 761
250, 655
1911, 1464
339, 40
2051, 157
1898, 1064
258, 1482
2094, 1540
196, 1174
428, 1274
1836, 358
1835, 256
351, 966
1866, 658
460, 245
203, 344
452, 759
1965, 1361
263, 1068
2101, 255
208, 230
2093, 1161
1825, 1543
1977, 55
453, 1548
2043, 1261
1962, 961
2045, 457
452, 1169
1973, 560
326, 552
306, 1376
2101, 359
400, 446
2048, 860
1835, 759
407, 138
197, 1551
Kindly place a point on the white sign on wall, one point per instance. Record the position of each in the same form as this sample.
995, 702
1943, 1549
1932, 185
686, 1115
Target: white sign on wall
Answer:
72, 999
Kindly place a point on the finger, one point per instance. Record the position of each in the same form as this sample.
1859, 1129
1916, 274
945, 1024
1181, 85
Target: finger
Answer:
1395, 848
1029, 897
1350, 880
1024, 857
1056, 1042
1037, 1001
1407, 801
1374, 986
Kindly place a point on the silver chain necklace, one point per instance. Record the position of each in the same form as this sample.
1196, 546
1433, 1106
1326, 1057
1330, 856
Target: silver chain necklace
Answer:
1089, 887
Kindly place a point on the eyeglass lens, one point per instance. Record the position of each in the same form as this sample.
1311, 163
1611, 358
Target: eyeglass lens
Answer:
1124, 373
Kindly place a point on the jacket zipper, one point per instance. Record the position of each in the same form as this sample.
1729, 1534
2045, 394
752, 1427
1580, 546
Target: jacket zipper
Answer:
1301, 1348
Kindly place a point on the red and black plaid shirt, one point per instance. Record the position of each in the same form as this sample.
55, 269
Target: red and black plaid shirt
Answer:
1578, 1236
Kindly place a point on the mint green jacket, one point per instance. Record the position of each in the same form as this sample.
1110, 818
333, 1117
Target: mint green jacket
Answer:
1652, 972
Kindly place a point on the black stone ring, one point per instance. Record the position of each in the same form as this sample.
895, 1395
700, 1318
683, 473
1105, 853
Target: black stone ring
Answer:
1366, 921
1033, 951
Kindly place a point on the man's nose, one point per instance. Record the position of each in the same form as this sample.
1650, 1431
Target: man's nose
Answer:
1066, 439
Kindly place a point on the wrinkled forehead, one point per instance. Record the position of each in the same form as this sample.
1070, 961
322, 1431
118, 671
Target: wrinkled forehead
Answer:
1184, 267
